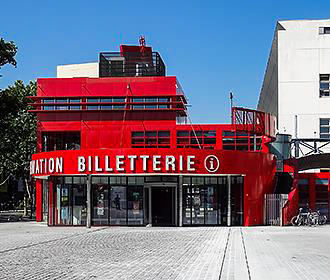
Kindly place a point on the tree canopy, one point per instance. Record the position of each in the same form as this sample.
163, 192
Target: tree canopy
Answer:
7, 52
18, 129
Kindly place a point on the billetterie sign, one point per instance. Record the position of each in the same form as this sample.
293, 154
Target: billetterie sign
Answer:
99, 161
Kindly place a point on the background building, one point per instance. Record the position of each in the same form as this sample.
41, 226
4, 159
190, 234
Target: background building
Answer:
296, 83
296, 90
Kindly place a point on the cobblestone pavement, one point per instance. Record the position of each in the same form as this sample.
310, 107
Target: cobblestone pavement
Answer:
34, 251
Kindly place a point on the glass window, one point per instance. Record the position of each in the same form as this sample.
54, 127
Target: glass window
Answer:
62, 107
52, 141
137, 133
198, 205
182, 133
106, 107
324, 85
324, 122
211, 141
75, 107
322, 199
100, 203
93, 100
211, 207
321, 181
303, 182
49, 101
65, 209
186, 205
237, 209
324, 77
151, 133
228, 133
69, 206
209, 133
163, 134
196, 133
138, 100
118, 208
79, 207
303, 193
153, 106
164, 106
135, 205
45, 200
119, 100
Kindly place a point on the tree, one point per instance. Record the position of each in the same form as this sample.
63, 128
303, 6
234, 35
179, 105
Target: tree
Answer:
7, 52
18, 131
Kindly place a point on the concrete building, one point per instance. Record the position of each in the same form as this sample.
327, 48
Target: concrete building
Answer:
296, 83
296, 90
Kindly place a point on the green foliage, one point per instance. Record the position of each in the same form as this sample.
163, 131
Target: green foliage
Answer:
7, 52
17, 129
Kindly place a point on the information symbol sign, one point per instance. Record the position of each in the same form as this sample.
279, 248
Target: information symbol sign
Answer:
211, 163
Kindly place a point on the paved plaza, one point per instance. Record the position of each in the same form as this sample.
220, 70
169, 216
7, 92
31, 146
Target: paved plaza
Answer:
30, 250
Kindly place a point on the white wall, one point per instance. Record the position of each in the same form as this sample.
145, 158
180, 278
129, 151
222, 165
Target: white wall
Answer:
299, 54
90, 70
303, 54
268, 100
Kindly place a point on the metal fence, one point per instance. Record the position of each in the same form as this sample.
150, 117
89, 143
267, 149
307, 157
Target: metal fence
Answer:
273, 208
131, 64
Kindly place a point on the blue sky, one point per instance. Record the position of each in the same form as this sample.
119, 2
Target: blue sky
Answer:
213, 47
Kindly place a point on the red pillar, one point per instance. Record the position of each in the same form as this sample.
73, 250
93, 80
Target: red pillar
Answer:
312, 192
38, 200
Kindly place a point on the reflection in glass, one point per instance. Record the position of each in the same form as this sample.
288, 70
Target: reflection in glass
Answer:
211, 217
135, 205
198, 205
186, 205
118, 205
79, 211
100, 204
64, 205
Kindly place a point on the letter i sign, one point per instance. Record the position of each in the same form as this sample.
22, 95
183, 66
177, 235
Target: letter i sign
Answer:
211, 163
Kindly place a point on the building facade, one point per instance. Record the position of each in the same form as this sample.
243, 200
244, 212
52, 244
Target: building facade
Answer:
296, 90
114, 148
296, 83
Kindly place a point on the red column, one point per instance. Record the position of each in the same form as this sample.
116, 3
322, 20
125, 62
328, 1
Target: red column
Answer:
312, 192
38, 200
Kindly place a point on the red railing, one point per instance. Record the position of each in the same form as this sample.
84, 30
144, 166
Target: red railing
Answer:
253, 121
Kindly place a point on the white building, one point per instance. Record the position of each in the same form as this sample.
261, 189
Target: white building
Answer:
296, 82
90, 70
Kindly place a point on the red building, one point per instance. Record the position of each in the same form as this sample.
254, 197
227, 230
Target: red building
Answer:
118, 150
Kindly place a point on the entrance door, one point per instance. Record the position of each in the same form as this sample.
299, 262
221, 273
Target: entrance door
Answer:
162, 206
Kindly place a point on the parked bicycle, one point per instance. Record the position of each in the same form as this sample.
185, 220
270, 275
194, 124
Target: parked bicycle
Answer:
309, 218
318, 218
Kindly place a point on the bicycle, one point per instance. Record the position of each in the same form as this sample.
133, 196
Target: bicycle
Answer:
308, 219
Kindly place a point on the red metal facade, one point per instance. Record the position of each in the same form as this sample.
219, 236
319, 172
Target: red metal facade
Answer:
110, 132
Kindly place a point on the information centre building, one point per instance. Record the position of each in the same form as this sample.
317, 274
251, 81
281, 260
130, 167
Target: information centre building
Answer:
114, 148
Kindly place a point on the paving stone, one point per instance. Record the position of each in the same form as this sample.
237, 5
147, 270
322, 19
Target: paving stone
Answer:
34, 251
31, 251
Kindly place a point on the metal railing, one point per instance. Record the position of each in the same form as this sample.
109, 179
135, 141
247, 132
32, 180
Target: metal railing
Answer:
253, 121
273, 209
131, 64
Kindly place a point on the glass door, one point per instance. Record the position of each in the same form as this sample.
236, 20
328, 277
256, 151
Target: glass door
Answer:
100, 204
322, 196
237, 210
118, 205
79, 207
